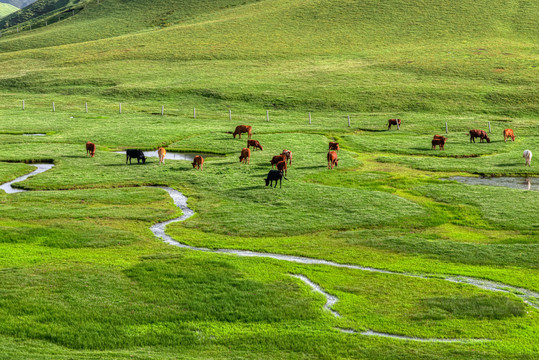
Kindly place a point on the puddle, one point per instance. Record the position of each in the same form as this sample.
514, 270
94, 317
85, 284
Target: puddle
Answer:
175, 155
529, 297
516, 182
40, 168
34, 134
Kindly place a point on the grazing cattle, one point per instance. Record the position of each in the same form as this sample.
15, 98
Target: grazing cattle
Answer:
288, 155
527, 155
242, 129
394, 122
245, 155
478, 134
508, 133
277, 159
332, 159
438, 140
90, 148
281, 166
198, 161
161, 152
255, 144
134, 153
334, 146
275, 175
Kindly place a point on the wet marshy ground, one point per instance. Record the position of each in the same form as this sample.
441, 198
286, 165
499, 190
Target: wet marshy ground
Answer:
514, 182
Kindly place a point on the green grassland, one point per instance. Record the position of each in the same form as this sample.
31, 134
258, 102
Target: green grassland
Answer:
6, 9
81, 274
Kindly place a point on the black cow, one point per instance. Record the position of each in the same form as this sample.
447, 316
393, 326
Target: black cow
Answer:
275, 175
134, 153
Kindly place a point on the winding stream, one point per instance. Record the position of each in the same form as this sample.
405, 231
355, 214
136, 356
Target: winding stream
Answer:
40, 168
529, 297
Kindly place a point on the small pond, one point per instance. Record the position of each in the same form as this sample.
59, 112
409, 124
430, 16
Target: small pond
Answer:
175, 155
514, 182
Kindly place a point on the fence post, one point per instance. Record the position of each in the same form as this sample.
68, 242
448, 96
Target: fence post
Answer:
162, 110
267, 115
120, 108
348, 120
230, 114
86, 107
23, 104
489, 127
194, 113
53, 107
446, 128
73, 12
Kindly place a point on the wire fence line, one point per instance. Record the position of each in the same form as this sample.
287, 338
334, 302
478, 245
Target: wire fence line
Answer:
226, 113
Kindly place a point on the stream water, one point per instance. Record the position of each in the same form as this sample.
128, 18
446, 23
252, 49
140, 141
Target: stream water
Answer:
174, 155
40, 168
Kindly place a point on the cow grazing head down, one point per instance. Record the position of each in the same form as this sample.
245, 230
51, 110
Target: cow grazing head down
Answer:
198, 162
275, 175
135, 153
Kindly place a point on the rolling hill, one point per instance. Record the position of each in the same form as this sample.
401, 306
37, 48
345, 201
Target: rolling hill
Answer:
6, 9
433, 57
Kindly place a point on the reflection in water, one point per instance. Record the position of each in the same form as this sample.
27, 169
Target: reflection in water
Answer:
505, 181
174, 155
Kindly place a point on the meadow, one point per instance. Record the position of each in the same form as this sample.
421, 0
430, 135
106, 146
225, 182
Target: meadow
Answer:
82, 275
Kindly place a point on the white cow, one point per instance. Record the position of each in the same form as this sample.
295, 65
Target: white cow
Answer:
528, 156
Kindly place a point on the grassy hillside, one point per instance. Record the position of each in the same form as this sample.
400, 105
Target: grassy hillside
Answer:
6, 9
397, 57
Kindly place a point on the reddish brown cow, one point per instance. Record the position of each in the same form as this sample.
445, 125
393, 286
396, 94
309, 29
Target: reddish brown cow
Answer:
332, 159
480, 134
334, 146
245, 155
281, 166
90, 148
161, 152
288, 155
508, 133
242, 129
198, 161
440, 141
277, 159
394, 122
255, 144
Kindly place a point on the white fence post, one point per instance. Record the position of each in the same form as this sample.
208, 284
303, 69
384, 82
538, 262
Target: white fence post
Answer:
267, 115
162, 110
489, 127
23, 104
230, 114
86, 107
120, 108
348, 120
53, 107
446, 127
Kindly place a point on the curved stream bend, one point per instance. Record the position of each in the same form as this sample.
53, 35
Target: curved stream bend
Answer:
40, 168
529, 297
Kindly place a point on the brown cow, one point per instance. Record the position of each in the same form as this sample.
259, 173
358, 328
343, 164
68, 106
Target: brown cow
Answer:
90, 148
245, 155
198, 161
277, 159
242, 129
334, 146
394, 122
161, 152
332, 159
508, 133
480, 134
255, 144
438, 140
288, 155
281, 166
